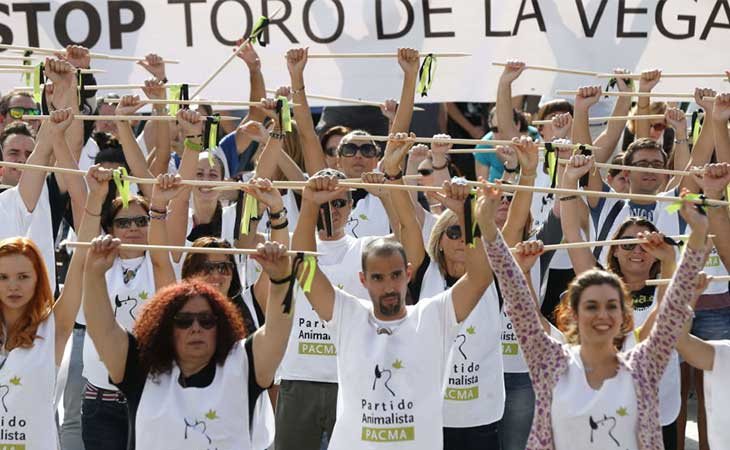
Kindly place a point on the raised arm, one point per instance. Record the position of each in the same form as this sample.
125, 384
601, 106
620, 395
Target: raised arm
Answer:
519, 209
65, 93
505, 119
319, 190
167, 188
268, 159
702, 149
269, 341
109, 338
67, 306
582, 258
536, 345
314, 161
30, 185
608, 139
677, 119
720, 117
586, 98
257, 87
649, 79
155, 89
128, 105
713, 183
408, 61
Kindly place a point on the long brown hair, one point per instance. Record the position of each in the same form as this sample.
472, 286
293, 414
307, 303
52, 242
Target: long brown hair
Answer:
40, 306
611, 260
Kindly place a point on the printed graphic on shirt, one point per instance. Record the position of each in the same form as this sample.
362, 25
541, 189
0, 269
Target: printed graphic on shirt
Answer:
510, 345
464, 379
129, 305
602, 429
196, 430
314, 340
12, 427
392, 411
353, 222
642, 302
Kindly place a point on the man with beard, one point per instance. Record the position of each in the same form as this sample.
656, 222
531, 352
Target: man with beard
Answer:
391, 359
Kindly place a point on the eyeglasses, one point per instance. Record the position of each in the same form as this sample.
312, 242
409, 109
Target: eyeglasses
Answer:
628, 247
652, 164
338, 203
221, 268
366, 150
126, 222
453, 232
507, 198
184, 320
659, 126
425, 172
18, 112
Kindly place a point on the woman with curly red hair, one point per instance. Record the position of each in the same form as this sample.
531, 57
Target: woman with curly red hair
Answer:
188, 336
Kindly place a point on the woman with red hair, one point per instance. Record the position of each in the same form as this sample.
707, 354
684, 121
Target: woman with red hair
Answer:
188, 336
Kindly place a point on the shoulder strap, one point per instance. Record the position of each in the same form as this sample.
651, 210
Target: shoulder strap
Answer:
607, 225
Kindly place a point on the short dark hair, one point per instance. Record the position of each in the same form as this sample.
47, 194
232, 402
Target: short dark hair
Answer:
518, 117
108, 214
5, 100
13, 128
619, 161
337, 130
381, 247
334, 173
193, 262
643, 144
552, 107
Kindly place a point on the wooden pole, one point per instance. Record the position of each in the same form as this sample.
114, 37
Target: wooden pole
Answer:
681, 173
637, 76
665, 281
192, 102
381, 55
106, 87
553, 69
635, 94
354, 101
51, 51
176, 248
617, 118
121, 118
425, 140
608, 243
22, 68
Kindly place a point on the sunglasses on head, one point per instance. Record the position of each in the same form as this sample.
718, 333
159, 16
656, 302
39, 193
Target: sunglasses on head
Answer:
366, 150
453, 232
126, 222
425, 172
221, 268
184, 320
18, 112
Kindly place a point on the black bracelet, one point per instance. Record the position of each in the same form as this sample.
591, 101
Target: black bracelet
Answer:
281, 226
282, 280
278, 214
395, 177
446, 164
515, 170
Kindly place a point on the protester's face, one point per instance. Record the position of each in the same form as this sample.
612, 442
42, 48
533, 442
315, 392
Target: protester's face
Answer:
16, 148
354, 166
17, 281
23, 105
501, 217
452, 243
599, 314
386, 279
656, 129
643, 182
218, 272
106, 126
131, 225
330, 151
206, 172
425, 170
194, 343
633, 261
340, 208
619, 182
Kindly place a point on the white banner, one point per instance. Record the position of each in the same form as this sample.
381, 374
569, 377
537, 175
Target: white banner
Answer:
595, 35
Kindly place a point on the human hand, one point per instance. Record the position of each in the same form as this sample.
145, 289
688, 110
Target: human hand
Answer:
408, 60
273, 259
587, 96
512, 71
388, 108
154, 64
649, 79
248, 55
101, 255
526, 253
128, 105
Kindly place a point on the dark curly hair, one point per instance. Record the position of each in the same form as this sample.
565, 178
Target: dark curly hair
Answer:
154, 327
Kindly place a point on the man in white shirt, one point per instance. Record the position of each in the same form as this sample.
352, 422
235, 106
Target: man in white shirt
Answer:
391, 359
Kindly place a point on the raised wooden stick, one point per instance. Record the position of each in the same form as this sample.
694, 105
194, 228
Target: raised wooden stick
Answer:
120, 118
637, 76
51, 51
681, 173
381, 55
106, 87
176, 248
553, 69
355, 101
22, 68
192, 102
16, 58
665, 281
425, 140
608, 243
635, 94
616, 118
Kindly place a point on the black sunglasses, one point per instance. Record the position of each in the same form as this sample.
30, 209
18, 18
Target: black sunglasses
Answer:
453, 232
183, 320
628, 247
338, 203
425, 172
222, 267
366, 150
126, 222
330, 151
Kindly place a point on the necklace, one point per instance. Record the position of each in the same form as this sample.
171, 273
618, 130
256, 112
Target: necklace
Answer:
128, 274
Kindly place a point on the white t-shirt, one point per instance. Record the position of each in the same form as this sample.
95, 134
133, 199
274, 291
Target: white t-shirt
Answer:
717, 394
368, 218
586, 418
512, 358
88, 154
27, 382
310, 353
391, 386
170, 417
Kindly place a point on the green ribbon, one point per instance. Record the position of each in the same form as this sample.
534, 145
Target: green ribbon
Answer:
552, 160
250, 209
37, 81
309, 268
426, 74
173, 92
674, 207
122, 183
28, 76
284, 110
212, 136
258, 28
696, 128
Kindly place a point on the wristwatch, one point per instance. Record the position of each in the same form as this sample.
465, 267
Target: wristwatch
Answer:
281, 214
